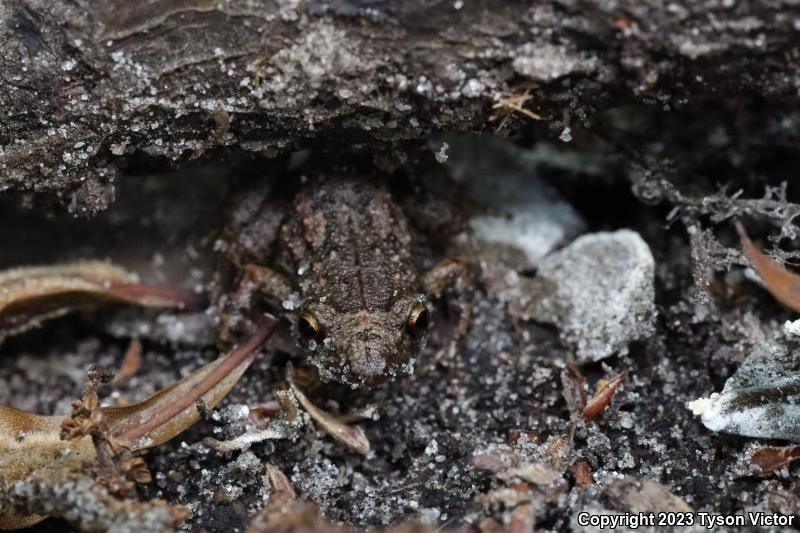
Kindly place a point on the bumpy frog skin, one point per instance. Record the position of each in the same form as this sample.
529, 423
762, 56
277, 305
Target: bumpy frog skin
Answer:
343, 258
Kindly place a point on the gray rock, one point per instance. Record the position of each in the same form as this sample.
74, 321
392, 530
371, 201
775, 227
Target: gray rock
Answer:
599, 291
521, 210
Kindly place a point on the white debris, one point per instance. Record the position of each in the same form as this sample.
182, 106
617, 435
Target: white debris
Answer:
762, 399
792, 328
473, 88
292, 303
118, 149
544, 62
441, 155
709, 409
429, 515
432, 448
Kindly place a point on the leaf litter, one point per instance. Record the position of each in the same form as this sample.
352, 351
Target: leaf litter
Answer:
101, 441
621, 440
762, 398
31, 295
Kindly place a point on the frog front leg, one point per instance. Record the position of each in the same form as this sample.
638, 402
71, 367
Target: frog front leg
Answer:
237, 314
450, 279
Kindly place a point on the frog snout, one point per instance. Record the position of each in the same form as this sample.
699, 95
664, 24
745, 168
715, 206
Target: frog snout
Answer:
366, 362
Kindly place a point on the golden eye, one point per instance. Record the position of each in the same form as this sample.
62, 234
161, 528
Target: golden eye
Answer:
419, 319
309, 327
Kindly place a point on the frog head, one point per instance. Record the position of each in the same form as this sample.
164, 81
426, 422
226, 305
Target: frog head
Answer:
365, 347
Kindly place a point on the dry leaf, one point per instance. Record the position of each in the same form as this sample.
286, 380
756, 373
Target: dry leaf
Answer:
30, 442
131, 362
782, 284
279, 483
352, 437
645, 496
496, 460
770, 458
574, 389
536, 473
170, 411
269, 409
282, 514
603, 396
116, 468
30, 295
582, 472
245, 440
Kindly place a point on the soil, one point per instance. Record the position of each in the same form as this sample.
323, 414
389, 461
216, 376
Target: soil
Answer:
499, 388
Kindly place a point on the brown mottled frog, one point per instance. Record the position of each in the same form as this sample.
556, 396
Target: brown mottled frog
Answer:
338, 261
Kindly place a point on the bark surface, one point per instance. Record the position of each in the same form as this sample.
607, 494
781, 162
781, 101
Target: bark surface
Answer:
85, 87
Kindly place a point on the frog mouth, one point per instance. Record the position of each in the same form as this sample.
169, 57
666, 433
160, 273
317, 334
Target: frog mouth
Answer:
389, 369
368, 367
364, 371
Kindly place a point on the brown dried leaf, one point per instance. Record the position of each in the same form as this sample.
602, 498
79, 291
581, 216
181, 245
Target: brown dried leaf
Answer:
582, 472
523, 437
557, 451
284, 514
279, 483
573, 389
645, 496
602, 397
496, 460
782, 284
32, 443
31, 295
352, 437
266, 410
770, 458
131, 362
169, 412
537, 473
115, 466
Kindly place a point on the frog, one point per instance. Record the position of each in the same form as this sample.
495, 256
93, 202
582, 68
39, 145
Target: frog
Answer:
336, 262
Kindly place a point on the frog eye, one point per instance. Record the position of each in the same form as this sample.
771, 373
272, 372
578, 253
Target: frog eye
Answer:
310, 328
419, 319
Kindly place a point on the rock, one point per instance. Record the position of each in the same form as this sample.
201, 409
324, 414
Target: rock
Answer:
599, 291
762, 399
522, 210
